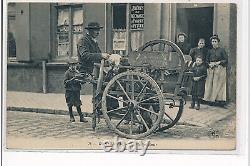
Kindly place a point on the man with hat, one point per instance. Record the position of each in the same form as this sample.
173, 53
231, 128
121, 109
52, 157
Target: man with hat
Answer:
182, 43
88, 49
90, 53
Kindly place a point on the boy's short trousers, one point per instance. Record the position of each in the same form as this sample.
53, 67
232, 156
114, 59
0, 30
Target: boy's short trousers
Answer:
73, 98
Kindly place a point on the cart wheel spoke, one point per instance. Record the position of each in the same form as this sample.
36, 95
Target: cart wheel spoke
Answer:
143, 88
133, 87
118, 82
124, 116
168, 116
131, 122
153, 97
148, 110
117, 98
143, 121
117, 109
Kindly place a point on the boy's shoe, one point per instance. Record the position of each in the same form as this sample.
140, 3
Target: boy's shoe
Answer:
72, 119
191, 107
198, 107
82, 119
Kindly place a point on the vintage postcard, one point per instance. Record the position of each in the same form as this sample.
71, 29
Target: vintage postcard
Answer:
121, 77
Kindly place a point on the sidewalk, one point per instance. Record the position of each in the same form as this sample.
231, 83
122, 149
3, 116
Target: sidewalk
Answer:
55, 104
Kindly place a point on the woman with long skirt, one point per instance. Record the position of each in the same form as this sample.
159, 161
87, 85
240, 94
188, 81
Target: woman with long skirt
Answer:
215, 87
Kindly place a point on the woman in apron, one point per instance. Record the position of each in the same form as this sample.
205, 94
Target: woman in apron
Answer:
215, 88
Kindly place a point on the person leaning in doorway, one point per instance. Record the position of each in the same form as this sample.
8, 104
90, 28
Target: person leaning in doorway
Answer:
215, 88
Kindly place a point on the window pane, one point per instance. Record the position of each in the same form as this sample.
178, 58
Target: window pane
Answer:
119, 16
76, 38
77, 16
11, 44
63, 32
63, 17
63, 44
77, 28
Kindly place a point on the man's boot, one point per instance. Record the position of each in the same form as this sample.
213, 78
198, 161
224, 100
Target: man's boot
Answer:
82, 119
72, 119
192, 103
198, 103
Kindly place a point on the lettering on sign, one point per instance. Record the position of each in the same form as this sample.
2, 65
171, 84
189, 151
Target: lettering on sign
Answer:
137, 16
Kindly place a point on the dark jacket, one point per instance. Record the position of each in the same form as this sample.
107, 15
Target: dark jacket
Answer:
88, 53
71, 85
184, 46
198, 87
194, 52
218, 54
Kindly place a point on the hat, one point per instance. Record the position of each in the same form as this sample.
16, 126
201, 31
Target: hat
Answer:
93, 25
215, 36
181, 33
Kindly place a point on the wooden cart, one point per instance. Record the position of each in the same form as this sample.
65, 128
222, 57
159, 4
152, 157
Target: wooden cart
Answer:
145, 95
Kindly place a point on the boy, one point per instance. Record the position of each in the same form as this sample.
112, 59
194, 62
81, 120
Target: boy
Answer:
199, 78
72, 91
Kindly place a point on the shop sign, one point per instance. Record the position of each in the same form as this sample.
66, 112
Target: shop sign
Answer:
137, 16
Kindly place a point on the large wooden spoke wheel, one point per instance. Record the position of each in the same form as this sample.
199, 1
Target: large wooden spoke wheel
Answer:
126, 104
159, 54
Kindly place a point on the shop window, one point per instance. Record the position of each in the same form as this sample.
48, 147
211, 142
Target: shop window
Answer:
125, 40
119, 28
11, 38
69, 29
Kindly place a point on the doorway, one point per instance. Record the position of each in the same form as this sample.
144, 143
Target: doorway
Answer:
196, 23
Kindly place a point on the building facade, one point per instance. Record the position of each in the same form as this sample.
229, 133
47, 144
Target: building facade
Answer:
43, 36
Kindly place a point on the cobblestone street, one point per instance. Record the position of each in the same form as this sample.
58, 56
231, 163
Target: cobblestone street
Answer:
28, 130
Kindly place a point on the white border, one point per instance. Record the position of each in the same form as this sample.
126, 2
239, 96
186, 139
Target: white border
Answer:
239, 157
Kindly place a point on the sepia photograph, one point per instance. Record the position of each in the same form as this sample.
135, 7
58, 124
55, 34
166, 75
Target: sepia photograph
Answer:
121, 77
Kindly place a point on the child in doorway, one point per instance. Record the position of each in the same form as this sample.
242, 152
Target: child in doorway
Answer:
72, 91
199, 70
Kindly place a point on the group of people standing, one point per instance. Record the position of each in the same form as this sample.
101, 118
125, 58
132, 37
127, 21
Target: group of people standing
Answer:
209, 68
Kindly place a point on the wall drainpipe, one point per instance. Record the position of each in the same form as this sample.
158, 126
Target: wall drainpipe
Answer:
44, 77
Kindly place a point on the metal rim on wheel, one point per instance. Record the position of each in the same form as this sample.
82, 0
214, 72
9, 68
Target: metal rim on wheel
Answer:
135, 91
